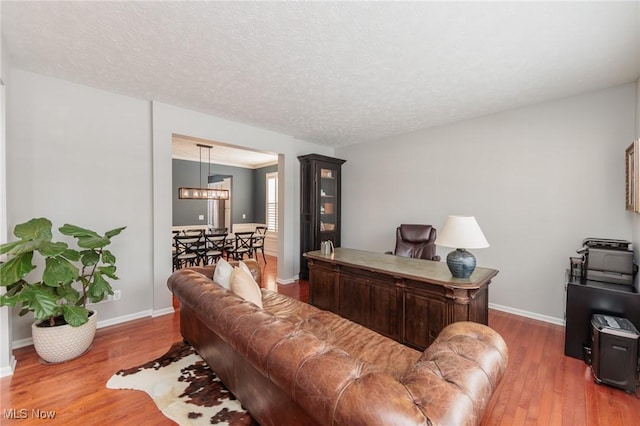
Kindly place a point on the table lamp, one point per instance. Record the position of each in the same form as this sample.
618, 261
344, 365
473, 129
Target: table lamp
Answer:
461, 233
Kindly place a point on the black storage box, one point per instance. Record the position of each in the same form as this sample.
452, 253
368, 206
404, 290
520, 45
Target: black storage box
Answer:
614, 351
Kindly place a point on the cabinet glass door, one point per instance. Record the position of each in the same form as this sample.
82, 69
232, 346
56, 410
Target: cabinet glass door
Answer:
328, 199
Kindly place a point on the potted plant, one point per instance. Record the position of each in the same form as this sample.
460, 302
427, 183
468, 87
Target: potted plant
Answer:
64, 328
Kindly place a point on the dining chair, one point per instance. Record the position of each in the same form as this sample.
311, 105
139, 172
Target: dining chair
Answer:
201, 245
258, 241
243, 245
174, 250
188, 250
216, 244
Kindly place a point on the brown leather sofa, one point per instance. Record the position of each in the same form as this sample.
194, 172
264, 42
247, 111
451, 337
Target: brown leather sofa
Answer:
293, 364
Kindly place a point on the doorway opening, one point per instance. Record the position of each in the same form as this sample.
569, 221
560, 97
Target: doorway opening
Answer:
219, 211
240, 170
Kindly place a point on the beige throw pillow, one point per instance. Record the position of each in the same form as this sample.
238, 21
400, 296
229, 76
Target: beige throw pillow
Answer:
245, 286
245, 268
222, 273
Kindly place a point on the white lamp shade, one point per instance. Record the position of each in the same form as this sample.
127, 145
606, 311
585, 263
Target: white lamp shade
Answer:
461, 232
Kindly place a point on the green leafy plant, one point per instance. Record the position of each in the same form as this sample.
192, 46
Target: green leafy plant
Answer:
70, 279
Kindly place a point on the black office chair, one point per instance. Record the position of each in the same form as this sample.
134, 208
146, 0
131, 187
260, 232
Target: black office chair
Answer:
417, 241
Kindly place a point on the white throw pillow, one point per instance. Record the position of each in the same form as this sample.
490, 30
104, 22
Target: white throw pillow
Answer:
222, 273
243, 284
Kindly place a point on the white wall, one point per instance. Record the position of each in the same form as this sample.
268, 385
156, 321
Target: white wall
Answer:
100, 160
538, 179
82, 156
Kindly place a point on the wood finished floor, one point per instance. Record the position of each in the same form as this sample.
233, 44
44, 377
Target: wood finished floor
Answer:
541, 386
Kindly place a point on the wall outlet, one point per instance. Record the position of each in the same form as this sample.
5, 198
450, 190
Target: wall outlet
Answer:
117, 295
244, 216
201, 217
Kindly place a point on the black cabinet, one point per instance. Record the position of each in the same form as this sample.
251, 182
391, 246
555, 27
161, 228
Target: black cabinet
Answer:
593, 297
319, 204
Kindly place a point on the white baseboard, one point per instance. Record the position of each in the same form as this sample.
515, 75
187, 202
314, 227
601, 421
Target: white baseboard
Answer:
124, 318
21, 343
287, 281
268, 252
8, 370
271, 245
527, 314
160, 312
105, 323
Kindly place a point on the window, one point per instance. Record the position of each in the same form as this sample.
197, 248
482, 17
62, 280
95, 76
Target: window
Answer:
272, 202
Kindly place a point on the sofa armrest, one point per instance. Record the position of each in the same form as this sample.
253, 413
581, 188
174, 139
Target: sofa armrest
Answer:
451, 384
456, 376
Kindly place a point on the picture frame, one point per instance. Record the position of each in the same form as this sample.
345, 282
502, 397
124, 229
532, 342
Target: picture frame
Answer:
632, 174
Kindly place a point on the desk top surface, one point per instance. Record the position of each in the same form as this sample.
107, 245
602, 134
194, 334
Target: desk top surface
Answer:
403, 267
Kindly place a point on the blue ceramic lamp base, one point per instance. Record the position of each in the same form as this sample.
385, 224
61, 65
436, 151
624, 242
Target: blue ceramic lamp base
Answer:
461, 263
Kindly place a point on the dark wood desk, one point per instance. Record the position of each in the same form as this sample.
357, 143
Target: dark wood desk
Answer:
408, 300
585, 298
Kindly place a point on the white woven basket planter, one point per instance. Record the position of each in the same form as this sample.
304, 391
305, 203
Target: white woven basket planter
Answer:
63, 342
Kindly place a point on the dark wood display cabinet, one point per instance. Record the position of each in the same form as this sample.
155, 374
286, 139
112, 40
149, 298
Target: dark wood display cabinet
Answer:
319, 204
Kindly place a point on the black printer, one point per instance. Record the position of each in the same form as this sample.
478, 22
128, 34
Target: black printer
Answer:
608, 261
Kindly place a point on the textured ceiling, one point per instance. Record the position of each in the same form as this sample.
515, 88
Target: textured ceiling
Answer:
333, 73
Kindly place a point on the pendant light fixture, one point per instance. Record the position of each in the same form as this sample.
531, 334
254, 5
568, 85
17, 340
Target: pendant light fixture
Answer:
201, 193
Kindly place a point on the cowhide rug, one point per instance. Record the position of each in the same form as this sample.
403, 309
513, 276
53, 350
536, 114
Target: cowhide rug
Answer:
184, 388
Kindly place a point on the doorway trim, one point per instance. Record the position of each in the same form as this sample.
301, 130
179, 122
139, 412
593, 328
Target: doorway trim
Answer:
167, 120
